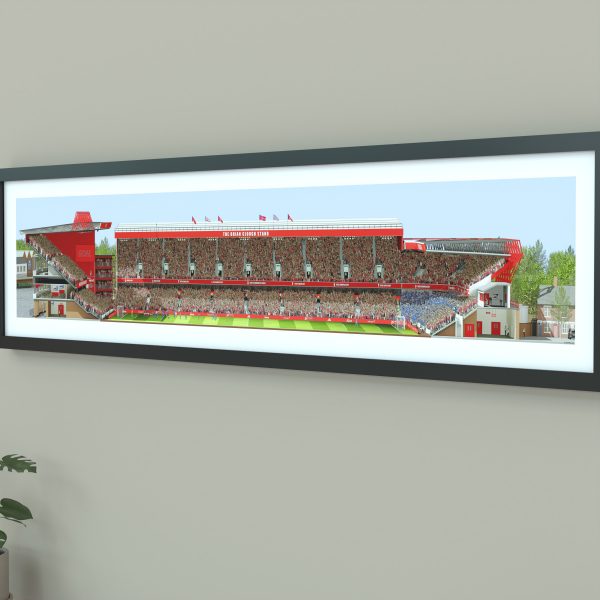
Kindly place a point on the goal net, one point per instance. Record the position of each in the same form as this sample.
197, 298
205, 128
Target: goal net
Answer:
399, 323
120, 311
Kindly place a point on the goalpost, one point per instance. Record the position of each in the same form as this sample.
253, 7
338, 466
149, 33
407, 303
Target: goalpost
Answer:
399, 322
120, 311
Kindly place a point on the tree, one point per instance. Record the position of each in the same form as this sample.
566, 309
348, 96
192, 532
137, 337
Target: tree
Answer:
21, 245
561, 310
529, 276
539, 254
104, 247
562, 266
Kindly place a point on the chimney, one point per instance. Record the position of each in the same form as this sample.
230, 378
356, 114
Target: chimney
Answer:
555, 281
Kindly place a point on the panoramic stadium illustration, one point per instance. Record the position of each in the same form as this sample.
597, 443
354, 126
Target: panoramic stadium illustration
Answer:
345, 276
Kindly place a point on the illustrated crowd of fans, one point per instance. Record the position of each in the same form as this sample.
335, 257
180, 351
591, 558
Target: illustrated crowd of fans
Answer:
295, 259
318, 259
61, 262
429, 311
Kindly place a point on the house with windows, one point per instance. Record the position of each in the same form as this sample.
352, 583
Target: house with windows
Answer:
25, 266
556, 311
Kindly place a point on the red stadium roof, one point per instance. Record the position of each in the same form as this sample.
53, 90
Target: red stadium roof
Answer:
257, 229
81, 222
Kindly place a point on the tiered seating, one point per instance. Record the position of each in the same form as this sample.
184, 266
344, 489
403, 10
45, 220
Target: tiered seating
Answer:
62, 263
127, 257
261, 301
324, 256
322, 253
99, 306
338, 304
176, 253
436, 268
377, 305
151, 255
231, 255
388, 254
476, 267
358, 253
204, 252
288, 253
259, 253
132, 296
266, 302
432, 310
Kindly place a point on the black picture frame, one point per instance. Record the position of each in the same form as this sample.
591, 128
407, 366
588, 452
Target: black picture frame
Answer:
572, 142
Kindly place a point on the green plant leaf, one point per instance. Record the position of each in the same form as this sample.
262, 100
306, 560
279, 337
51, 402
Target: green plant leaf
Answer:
2, 539
14, 511
18, 463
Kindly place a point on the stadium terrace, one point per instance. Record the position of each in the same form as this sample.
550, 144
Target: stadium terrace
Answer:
345, 270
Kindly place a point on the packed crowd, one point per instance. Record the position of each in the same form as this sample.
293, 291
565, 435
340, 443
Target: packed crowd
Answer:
103, 286
432, 311
204, 254
151, 255
62, 263
358, 253
288, 253
341, 304
476, 267
259, 253
232, 257
436, 268
375, 305
176, 254
127, 257
99, 306
325, 255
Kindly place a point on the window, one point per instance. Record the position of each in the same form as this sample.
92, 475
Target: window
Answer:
565, 328
547, 328
546, 312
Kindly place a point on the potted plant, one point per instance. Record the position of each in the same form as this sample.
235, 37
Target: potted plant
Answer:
14, 511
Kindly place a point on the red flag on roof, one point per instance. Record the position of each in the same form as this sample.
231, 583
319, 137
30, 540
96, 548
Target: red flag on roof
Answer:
290, 217
262, 218
193, 220
220, 220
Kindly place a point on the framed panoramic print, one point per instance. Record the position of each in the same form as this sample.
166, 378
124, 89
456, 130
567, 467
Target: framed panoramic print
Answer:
466, 260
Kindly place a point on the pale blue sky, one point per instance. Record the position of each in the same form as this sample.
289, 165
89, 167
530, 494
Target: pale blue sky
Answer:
526, 209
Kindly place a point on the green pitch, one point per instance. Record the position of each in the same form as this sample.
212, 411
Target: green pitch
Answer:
268, 324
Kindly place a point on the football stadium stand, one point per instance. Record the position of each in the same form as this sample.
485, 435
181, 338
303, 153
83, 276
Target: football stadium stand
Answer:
339, 269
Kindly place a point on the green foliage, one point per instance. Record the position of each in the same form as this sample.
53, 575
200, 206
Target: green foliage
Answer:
18, 463
562, 266
21, 245
14, 511
561, 309
537, 269
11, 510
529, 276
104, 247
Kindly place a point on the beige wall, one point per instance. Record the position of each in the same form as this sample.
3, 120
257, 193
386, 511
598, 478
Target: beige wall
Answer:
188, 481
450, 331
